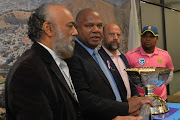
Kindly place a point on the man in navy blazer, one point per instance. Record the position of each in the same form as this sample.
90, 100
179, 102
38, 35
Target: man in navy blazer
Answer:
95, 93
116, 60
36, 87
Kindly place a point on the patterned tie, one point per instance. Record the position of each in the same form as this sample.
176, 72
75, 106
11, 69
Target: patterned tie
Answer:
63, 66
107, 73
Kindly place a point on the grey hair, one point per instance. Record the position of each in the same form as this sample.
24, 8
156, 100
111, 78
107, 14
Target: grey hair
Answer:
36, 20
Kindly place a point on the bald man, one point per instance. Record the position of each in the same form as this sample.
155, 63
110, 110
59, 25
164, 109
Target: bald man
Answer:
38, 86
98, 94
116, 60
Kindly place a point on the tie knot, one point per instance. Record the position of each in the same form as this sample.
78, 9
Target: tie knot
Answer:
63, 64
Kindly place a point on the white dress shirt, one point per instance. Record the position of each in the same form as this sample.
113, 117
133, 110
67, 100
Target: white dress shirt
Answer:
63, 68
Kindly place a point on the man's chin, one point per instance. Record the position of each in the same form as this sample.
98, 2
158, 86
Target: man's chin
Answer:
113, 48
66, 56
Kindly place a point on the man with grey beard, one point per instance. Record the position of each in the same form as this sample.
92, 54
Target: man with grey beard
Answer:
116, 60
38, 86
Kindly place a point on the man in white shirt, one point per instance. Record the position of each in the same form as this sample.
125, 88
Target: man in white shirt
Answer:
38, 86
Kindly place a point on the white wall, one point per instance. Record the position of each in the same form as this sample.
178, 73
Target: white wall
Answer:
152, 15
172, 20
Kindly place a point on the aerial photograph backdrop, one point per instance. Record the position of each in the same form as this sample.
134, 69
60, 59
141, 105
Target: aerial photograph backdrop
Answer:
14, 15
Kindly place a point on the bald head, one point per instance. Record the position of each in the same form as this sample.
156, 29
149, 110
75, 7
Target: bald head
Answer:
53, 26
45, 12
112, 37
89, 26
111, 26
57, 13
85, 14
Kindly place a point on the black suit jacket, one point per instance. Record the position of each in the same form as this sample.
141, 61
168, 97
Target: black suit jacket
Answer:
36, 89
120, 82
94, 92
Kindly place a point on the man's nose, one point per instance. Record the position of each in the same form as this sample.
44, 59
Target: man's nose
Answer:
95, 29
115, 36
74, 33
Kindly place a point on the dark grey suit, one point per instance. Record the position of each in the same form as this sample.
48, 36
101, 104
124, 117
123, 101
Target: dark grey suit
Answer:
94, 92
37, 90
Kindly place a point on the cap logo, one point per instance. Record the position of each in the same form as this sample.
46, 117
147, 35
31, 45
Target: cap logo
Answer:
159, 60
141, 61
149, 27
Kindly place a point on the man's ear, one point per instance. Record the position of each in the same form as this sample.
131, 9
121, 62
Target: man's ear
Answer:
157, 38
48, 28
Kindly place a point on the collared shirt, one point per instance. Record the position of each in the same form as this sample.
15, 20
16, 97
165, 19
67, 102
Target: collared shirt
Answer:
90, 51
121, 68
108, 75
59, 62
160, 58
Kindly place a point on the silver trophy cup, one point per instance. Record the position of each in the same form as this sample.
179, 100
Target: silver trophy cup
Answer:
149, 78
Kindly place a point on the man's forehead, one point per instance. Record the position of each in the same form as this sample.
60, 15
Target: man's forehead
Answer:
115, 30
93, 19
89, 16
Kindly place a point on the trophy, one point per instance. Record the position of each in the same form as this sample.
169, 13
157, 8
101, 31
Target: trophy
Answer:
149, 78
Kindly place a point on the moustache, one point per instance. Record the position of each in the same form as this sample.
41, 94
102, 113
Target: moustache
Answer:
114, 41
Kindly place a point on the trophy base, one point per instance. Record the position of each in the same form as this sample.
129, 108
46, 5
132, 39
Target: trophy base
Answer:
160, 105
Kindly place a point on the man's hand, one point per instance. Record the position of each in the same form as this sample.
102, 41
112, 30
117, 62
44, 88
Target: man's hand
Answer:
128, 118
135, 103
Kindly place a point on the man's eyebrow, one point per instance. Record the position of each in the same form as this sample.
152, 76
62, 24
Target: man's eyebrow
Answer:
71, 23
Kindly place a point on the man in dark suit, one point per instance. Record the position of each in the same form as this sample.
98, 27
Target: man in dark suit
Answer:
97, 91
36, 87
116, 60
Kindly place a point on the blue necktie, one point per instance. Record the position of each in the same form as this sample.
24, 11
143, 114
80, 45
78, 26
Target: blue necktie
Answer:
107, 73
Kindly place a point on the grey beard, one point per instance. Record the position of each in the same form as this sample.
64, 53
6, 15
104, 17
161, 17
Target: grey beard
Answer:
112, 47
61, 48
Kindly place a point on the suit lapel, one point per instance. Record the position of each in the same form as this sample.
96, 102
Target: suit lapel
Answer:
115, 73
61, 78
46, 56
84, 53
125, 60
107, 60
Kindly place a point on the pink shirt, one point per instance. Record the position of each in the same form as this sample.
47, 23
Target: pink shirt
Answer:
160, 58
120, 66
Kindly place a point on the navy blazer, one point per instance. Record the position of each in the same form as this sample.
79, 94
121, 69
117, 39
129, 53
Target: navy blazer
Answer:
119, 81
94, 91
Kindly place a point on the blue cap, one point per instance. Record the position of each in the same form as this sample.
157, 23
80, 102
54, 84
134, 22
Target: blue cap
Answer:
151, 29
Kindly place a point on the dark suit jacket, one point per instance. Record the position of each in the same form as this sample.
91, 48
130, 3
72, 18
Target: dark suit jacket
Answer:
37, 90
94, 92
106, 57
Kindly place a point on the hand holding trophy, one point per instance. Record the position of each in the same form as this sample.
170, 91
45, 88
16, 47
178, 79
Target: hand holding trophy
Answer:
149, 78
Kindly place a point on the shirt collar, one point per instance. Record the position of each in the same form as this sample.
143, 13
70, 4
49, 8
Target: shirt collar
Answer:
110, 54
87, 48
53, 54
144, 53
